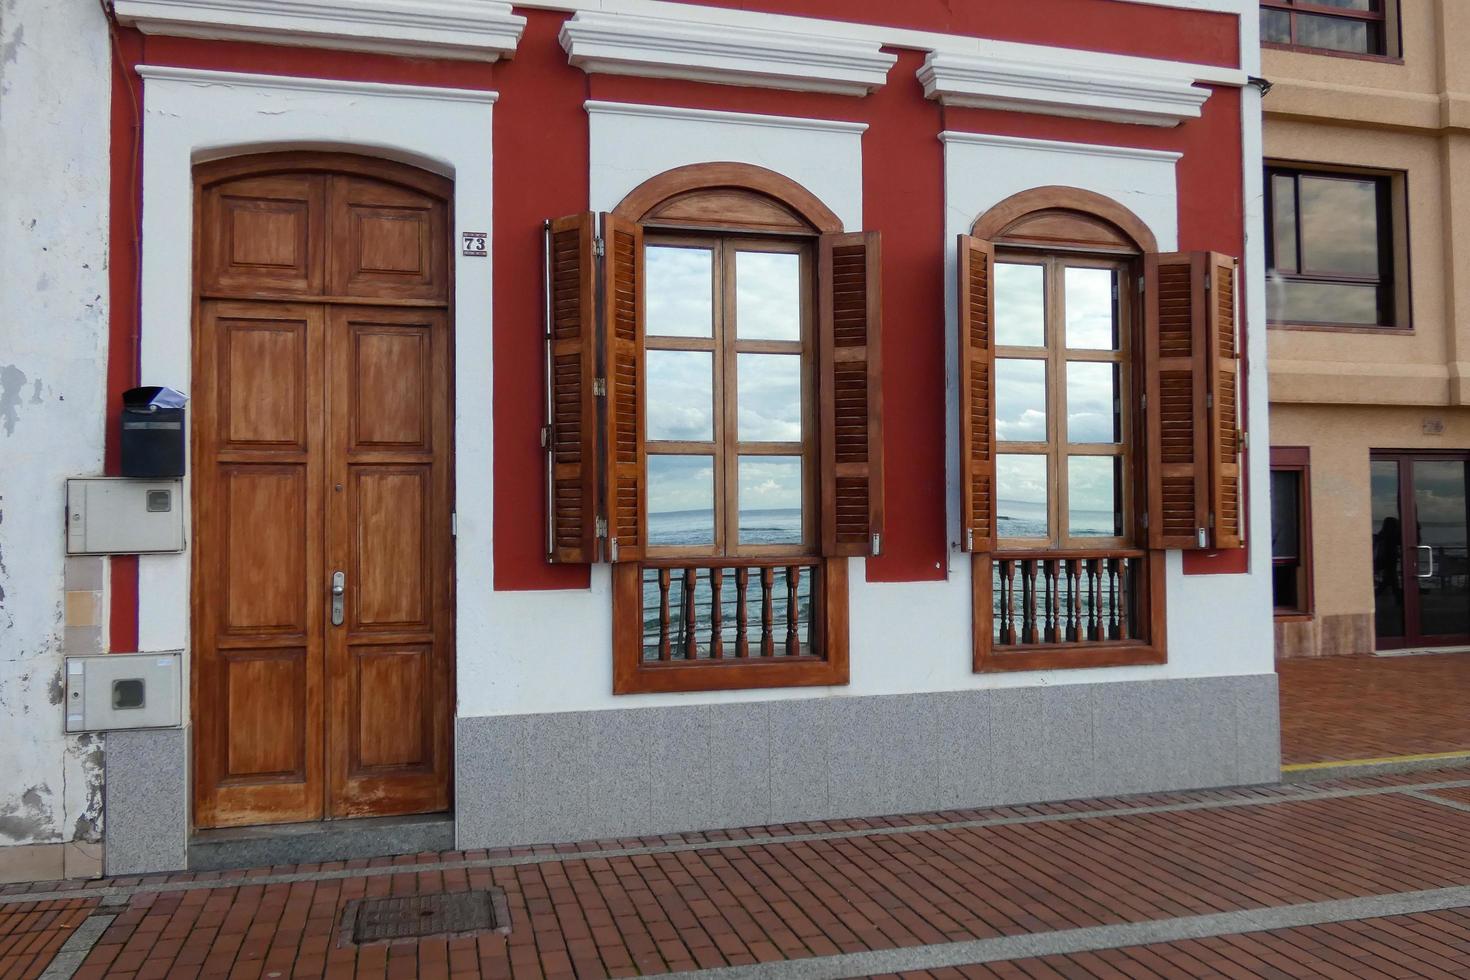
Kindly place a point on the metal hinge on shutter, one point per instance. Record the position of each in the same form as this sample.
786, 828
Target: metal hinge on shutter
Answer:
599, 387
877, 544
969, 539
453, 524
1145, 520
599, 247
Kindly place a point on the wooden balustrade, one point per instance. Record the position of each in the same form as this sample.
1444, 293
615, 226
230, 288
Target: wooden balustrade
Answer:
722, 611
1050, 599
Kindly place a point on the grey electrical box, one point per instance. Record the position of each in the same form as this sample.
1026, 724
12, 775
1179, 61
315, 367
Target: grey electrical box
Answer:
110, 691
121, 516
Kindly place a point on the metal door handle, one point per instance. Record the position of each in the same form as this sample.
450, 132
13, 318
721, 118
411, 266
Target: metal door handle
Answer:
339, 589
1426, 549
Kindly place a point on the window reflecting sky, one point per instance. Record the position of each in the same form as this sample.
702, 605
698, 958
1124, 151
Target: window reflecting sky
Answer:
681, 500
1021, 495
767, 296
680, 395
1020, 400
1092, 391
1092, 483
769, 397
1339, 226
1020, 305
1089, 303
680, 284
770, 500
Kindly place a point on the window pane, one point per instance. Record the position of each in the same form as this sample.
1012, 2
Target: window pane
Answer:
767, 296
1293, 301
680, 287
1020, 305
769, 397
1094, 507
1363, 5
1021, 496
770, 500
1092, 400
1285, 513
1275, 27
681, 395
681, 500
1020, 400
1283, 222
1388, 553
1092, 323
1339, 226
1336, 34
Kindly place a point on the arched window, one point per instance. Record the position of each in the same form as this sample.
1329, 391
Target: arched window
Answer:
714, 426
1098, 395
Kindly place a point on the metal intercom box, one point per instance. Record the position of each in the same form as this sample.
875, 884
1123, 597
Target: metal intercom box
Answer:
120, 516
110, 691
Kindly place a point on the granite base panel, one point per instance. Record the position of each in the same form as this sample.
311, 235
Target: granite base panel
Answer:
593, 775
146, 799
319, 842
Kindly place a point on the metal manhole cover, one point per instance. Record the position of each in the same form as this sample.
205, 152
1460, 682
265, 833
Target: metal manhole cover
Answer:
380, 920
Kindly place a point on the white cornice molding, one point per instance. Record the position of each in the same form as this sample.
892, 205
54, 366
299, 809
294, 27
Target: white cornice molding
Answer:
654, 47
594, 107
313, 86
1057, 88
475, 30
1058, 146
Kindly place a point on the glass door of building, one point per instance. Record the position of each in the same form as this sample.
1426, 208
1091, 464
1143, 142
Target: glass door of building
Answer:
1421, 528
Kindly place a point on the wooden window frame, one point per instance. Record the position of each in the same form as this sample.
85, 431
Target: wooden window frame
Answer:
1061, 226
1378, 17
740, 207
1389, 278
1297, 459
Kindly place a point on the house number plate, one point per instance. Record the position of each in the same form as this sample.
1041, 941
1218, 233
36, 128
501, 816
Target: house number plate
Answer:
474, 242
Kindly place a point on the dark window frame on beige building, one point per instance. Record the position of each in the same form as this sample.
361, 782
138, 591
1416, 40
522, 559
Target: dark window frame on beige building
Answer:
1379, 20
1294, 461
1393, 304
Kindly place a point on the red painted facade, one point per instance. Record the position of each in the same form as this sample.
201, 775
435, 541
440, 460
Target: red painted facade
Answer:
541, 171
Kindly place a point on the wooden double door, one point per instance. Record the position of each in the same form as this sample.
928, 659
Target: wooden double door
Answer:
322, 491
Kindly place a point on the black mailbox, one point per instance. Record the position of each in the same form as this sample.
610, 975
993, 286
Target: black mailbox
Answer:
153, 432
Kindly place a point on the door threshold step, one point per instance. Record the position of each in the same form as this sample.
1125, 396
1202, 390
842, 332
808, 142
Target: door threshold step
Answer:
319, 841
1316, 772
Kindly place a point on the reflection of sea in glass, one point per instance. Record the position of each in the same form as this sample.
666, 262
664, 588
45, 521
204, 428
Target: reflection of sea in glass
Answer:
1092, 395
1020, 400
1092, 497
769, 397
1020, 305
770, 500
679, 292
681, 498
1021, 492
767, 296
680, 395
1091, 324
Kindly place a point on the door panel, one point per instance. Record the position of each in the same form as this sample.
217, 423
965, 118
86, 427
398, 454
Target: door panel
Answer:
258, 489
388, 242
388, 730
264, 234
1390, 615
1421, 528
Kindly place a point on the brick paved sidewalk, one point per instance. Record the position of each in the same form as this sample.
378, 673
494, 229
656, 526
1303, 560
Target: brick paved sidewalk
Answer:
1367, 877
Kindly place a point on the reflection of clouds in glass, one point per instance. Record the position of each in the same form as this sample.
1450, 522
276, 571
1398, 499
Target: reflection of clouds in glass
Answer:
678, 483
1020, 305
679, 285
1021, 478
1089, 303
680, 395
1296, 301
1439, 498
768, 295
1091, 495
1091, 394
1020, 400
1339, 226
770, 483
769, 397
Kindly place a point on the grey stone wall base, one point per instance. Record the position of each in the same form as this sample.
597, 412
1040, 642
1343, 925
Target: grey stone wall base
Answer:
590, 775
147, 801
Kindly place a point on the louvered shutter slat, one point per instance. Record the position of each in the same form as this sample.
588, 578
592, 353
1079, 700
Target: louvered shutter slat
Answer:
851, 398
572, 470
623, 346
1225, 422
976, 265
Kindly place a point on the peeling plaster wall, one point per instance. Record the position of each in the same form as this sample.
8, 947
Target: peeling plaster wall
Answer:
54, 115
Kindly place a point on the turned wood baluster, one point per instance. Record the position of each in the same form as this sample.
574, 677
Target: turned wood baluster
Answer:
691, 646
1074, 600
664, 652
1125, 597
716, 614
1008, 602
1094, 599
793, 614
1050, 571
1111, 564
768, 582
742, 641
1028, 601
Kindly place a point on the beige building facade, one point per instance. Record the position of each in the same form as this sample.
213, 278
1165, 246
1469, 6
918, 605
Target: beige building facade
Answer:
1368, 236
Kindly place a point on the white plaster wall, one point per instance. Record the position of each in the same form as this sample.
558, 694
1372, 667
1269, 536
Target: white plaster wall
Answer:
551, 651
54, 112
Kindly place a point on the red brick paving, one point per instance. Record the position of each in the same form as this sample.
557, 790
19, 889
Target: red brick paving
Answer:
1340, 708
32, 932
786, 899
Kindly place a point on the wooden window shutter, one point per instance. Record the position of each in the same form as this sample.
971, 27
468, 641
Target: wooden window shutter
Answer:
1192, 369
851, 393
571, 435
1225, 425
622, 325
976, 368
